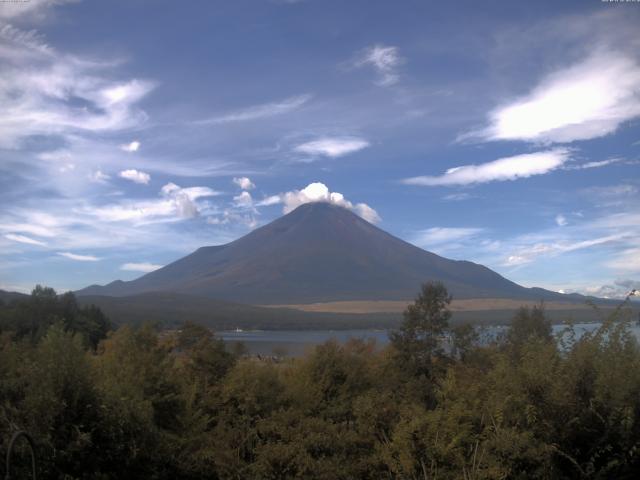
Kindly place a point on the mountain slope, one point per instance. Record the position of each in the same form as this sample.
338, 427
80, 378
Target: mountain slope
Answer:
172, 309
318, 253
9, 296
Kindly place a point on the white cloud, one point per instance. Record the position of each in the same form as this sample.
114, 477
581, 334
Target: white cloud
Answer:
257, 112
244, 183
24, 239
45, 93
131, 147
183, 201
621, 220
177, 203
31, 39
509, 168
16, 8
135, 176
437, 236
626, 261
531, 252
332, 147
79, 258
271, 200
243, 200
622, 196
123, 93
99, 177
617, 289
561, 220
457, 197
40, 227
587, 100
385, 60
365, 211
140, 267
192, 193
239, 214
129, 225
596, 164
142, 211
318, 192
612, 191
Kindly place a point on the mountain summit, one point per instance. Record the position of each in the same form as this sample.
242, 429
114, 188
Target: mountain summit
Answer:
318, 253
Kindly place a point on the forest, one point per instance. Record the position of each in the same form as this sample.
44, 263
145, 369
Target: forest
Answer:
102, 402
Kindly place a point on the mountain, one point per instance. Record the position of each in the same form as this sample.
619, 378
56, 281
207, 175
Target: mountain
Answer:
319, 253
9, 296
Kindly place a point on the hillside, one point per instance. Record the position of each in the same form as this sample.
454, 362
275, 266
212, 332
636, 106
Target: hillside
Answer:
8, 296
172, 309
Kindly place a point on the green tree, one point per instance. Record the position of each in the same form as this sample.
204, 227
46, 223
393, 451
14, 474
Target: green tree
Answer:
141, 404
207, 355
464, 339
529, 324
32, 316
418, 342
59, 404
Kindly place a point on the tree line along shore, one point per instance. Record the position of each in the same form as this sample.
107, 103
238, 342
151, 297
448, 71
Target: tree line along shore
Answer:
131, 402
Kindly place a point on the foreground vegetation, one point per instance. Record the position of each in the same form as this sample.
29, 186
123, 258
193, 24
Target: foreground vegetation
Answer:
134, 403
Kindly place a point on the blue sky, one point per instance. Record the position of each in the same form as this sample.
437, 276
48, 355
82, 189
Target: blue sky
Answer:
506, 133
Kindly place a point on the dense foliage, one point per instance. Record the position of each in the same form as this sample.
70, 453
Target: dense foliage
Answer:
137, 403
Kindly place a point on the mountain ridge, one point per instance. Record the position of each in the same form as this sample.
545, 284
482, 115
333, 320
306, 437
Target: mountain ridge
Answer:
319, 252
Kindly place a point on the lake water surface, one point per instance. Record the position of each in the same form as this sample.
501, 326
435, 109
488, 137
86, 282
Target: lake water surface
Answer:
297, 342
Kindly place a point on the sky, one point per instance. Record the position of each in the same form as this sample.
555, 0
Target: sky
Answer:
133, 132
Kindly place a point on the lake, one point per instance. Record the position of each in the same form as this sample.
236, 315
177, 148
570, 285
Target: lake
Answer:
297, 342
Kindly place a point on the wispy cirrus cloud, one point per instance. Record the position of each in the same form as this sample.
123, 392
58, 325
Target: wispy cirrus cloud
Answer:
41, 227
79, 258
176, 203
332, 147
608, 191
28, 39
457, 197
385, 60
627, 260
24, 239
44, 92
98, 176
594, 164
270, 200
587, 100
140, 267
611, 197
509, 168
437, 236
617, 231
531, 252
122, 226
16, 8
257, 112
